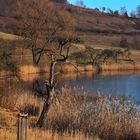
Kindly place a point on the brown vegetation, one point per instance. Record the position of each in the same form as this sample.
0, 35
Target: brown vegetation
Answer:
93, 26
36, 134
120, 67
49, 34
7, 36
77, 117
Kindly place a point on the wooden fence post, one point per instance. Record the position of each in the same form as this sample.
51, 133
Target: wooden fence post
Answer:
22, 126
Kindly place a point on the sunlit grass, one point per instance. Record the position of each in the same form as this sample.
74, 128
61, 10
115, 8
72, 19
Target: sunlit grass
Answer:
36, 134
7, 36
74, 117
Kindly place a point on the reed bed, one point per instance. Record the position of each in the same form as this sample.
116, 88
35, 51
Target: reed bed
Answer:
29, 69
120, 67
75, 117
107, 117
25, 70
68, 67
65, 68
72, 67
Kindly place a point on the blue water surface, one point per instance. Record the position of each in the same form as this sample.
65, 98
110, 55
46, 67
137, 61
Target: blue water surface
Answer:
123, 85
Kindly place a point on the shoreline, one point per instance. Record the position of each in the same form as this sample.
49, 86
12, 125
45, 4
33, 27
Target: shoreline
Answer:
68, 68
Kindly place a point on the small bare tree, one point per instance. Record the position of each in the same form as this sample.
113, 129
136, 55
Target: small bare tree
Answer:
48, 32
61, 56
40, 26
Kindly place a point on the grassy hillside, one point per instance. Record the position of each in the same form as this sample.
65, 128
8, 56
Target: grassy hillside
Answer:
92, 25
101, 28
98, 30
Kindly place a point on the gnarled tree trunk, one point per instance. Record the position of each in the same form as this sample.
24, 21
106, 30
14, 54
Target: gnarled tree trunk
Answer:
50, 96
41, 120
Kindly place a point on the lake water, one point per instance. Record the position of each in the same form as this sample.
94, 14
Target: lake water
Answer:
127, 84
124, 83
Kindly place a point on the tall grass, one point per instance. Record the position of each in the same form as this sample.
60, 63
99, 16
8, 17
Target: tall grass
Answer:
72, 67
66, 68
36, 134
73, 116
7, 36
120, 67
106, 117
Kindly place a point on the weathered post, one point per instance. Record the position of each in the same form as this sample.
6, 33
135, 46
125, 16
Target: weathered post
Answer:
22, 126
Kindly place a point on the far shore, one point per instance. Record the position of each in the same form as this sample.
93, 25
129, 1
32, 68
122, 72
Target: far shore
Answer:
67, 68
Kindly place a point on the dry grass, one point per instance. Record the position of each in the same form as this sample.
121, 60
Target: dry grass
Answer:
24, 71
72, 67
29, 69
135, 55
75, 117
120, 67
106, 73
36, 134
17, 96
107, 117
64, 68
7, 36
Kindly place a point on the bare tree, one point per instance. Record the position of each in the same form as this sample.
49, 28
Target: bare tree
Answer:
80, 3
64, 45
41, 24
110, 11
102, 56
123, 12
103, 9
138, 11
133, 14
48, 32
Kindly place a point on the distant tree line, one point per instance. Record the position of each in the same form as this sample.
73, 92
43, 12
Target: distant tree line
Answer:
80, 3
59, 1
122, 12
136, 13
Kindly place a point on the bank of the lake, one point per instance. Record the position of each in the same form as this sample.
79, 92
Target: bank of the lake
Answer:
68, 67
74, 68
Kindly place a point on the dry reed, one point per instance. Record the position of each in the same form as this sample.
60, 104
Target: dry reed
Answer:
120, 67
72, 116
36, 134
107, 117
